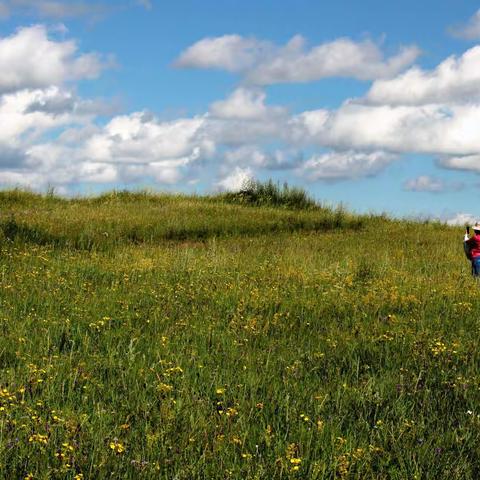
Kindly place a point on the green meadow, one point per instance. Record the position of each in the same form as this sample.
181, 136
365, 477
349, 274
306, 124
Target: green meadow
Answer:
233, 337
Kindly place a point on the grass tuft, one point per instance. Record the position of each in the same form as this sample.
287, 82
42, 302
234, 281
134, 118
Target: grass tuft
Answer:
256, 193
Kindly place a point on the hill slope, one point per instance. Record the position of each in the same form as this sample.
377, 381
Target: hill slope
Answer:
186, 337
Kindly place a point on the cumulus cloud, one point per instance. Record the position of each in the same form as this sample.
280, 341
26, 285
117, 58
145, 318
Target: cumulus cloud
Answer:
344, 165
235, 180
27, 114
469, 30
56, 101
464, 162
20, 178
340, 58
30, 59
234, 133
52, 136
264, 63
435, 129
435, 112
461, 219
365, 139
426, 183
229, 52
49, 135
141, 138
245, 104
252, 156
456, 79
128, 149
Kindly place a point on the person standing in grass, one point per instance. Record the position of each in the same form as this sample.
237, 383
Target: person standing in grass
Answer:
472, 248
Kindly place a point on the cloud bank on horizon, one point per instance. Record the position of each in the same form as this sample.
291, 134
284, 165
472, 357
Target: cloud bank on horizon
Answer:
52, 136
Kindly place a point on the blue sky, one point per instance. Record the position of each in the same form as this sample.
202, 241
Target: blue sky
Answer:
344, 98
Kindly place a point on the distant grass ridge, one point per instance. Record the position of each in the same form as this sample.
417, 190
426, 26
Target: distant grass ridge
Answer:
122, 217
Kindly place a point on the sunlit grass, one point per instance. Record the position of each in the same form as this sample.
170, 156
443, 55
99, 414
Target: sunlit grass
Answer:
181, 337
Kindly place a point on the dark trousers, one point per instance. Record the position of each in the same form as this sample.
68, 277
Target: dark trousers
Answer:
476, 266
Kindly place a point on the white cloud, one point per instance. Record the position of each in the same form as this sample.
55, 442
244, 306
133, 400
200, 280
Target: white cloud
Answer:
464, 162
26, 115
141, 138
340, 58
252, 156
434, 129
52, 136
56, 101
35, 103
19, 178
456, 79
29, 59
461, 219
245, 104
129, 149
469, 30
344, 165
235, 180
95, 173
235, 132
426, 183
229, 52
264, 63
139, 145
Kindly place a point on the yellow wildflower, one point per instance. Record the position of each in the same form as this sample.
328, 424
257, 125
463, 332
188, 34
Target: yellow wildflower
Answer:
231, 412
38, 438
117, 447
164, 387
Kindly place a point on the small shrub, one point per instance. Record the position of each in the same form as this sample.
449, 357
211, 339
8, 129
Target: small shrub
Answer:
268, 193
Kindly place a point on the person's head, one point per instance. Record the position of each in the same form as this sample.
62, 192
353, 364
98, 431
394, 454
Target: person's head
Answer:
476, 228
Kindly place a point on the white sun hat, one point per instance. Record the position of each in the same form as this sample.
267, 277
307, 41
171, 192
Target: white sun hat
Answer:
476, 227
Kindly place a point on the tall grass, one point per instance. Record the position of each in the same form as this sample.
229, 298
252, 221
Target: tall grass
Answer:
251, 352
269, 193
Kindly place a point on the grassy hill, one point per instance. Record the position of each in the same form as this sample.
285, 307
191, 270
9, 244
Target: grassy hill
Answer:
233, 337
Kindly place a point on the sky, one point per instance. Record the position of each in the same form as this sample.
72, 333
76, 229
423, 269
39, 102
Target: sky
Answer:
374, 105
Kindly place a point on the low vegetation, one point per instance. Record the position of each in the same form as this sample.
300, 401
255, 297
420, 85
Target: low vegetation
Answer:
246, 336
270, 194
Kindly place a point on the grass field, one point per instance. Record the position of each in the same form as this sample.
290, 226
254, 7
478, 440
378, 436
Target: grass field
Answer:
177, 337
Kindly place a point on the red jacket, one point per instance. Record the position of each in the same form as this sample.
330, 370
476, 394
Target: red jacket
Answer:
474, 245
